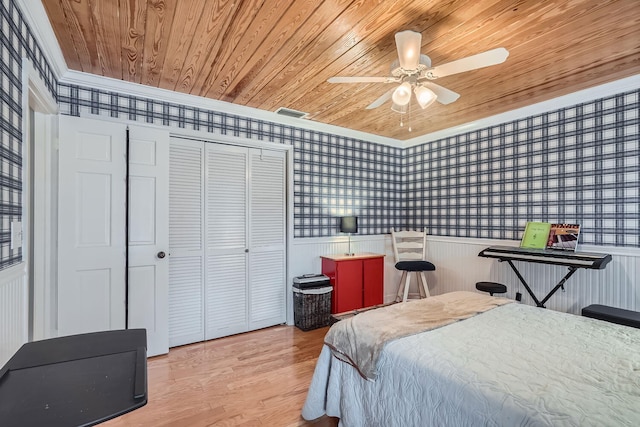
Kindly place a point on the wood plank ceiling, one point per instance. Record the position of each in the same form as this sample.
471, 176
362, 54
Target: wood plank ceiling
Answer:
279, 53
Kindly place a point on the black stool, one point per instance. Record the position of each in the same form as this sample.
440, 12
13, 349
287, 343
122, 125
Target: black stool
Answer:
491, 287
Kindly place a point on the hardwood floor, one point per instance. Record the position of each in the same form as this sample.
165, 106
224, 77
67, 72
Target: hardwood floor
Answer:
258, 378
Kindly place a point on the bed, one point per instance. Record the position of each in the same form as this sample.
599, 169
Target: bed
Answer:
512, 365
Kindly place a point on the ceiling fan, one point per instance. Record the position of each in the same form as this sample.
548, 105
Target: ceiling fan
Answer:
414, 73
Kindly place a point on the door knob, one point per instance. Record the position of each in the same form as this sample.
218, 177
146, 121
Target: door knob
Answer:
161, 254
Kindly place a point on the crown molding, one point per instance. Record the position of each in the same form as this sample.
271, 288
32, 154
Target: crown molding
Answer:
109, 84
36, 18
585, 95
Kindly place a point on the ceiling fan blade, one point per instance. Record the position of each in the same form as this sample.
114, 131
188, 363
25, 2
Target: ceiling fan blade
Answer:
378, 102
361, 80
445, 96
473, 62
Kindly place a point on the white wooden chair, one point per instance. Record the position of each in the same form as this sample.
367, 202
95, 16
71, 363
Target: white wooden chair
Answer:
409, 249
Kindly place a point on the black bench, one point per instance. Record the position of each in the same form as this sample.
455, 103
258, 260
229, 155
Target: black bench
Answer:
613, 315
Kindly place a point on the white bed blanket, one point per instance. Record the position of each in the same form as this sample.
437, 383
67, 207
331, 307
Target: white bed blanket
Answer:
515, 365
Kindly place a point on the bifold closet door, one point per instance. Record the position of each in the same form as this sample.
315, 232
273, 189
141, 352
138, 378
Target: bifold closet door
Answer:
246, 239
186, 228
226, 206
267, 238
227, 240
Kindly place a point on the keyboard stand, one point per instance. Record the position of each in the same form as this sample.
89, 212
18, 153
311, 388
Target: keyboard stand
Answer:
572, 260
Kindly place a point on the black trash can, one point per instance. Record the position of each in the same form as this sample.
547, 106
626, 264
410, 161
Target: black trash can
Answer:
311, 301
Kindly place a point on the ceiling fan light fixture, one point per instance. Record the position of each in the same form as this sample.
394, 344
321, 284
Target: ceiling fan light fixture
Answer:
425, 96
402, 94
402, 109
408, 44
414, 74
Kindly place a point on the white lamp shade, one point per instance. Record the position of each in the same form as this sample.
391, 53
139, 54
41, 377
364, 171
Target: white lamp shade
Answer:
425, 96
402, 109
402, 94
408, 44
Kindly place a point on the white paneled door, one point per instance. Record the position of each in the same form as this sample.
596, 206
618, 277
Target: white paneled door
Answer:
92, 293
91, 233
148, 235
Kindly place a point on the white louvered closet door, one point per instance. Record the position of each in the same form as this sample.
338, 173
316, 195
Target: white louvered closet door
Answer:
267, 246
227, 224
186, 235
226, 198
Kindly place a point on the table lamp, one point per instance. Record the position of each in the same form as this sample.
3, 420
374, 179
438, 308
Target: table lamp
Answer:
349, 224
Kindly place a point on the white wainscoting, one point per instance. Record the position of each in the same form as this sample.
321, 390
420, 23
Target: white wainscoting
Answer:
458, 267
14, 324
305, 257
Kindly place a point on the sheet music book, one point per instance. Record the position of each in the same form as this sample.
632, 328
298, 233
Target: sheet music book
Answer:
563, 236
535, 235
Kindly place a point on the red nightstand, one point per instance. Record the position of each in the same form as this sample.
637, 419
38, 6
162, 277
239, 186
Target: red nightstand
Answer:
358, 280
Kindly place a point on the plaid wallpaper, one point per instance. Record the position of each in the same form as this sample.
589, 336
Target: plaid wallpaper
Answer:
573, 165
578, 165
333, 175
16, 42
